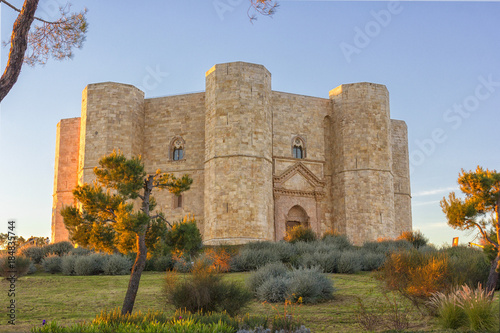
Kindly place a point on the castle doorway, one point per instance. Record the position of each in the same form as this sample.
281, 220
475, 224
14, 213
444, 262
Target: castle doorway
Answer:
296, 216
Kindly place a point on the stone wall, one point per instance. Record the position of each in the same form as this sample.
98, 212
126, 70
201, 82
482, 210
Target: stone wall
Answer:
65, 173
363, 161
238, 154
237, 141
168, 118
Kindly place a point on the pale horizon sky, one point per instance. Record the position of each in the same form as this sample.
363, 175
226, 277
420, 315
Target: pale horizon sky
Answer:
439, 61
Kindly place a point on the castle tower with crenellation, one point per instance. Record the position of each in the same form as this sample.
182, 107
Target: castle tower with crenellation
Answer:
262, 161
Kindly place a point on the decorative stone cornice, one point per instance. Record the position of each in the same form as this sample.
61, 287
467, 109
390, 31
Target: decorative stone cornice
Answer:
299, 168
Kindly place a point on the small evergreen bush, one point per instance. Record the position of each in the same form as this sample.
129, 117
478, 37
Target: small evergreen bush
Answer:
182, 265
163, 263
89, 265
248, 259
59, 248
300, 233
274, 290
31, 269
350, 262
267, 272
21, 263
205, 291
34, 253
68, 264
52, 263
416, 238
310, 285
467, 266
341, 242
80, 251
275, 283
372, 261
117, 264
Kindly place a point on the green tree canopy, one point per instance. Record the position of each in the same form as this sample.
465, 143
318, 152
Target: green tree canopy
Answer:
108, 217
478, 210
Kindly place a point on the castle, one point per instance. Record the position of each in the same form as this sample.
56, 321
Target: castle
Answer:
261, 160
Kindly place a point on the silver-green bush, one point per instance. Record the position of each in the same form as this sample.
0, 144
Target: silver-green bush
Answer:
52, 263
372, 261
89, 265
59, 248
350, 262
68, 265
34, 253
274, 290
267, 272
248, 259
310, 284
117, 264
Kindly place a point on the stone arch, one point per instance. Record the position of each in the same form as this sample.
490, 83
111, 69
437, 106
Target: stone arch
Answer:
296, 216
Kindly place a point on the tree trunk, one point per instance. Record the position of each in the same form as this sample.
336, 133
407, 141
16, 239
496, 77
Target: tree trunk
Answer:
18, 46
493, 277
135, 277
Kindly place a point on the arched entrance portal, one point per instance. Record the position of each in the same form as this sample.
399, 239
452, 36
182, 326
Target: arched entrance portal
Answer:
296, 216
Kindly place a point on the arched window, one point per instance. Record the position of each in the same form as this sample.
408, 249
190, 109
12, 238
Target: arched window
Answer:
298, 148
177, 149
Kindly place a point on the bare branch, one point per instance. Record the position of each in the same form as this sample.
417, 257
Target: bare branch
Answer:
263, 7
485, 234
162, 218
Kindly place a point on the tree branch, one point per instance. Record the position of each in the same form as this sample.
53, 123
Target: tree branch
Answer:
485, 235
161, 217
35, 17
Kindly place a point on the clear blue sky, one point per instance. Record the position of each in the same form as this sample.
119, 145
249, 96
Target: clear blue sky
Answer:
439, 61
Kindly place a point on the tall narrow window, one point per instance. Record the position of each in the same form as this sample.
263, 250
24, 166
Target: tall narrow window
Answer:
298, 148
177, 201
177, 149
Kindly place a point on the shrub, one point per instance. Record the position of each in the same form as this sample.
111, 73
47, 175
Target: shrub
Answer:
117, 264
350, 262
338, 241
416, 238
372, 261
52, 264
310, 285
184, 237
89, 265
34, 253
32, 268
387, 246
22, 266
68, 265
80, 251
327, 261
274, 283
205, 291
163, 263
416, 275
274, 290
59, 248
182, 265
249, 259
467, 266
300, 233
219, 259
286, 251
271, 270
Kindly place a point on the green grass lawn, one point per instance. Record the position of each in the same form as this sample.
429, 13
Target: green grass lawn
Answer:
71, 299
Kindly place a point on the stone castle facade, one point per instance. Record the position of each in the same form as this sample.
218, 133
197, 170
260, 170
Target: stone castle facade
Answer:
261, 160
